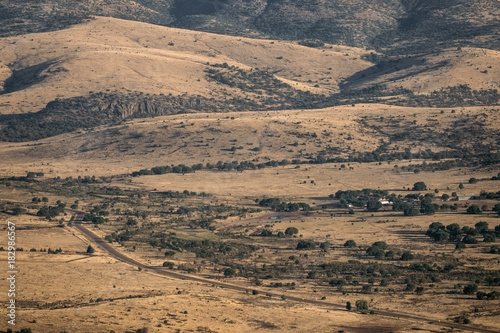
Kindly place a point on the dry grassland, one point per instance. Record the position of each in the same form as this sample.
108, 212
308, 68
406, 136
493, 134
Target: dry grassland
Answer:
60, 292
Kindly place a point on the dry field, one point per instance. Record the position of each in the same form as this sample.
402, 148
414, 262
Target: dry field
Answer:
58, 292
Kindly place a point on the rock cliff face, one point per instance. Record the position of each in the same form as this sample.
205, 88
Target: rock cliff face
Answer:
66, 115
122, 106
126, 110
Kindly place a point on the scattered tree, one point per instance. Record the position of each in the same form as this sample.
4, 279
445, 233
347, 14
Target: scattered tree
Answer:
361, 305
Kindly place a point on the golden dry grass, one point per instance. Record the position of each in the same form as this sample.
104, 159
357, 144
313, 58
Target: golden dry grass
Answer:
208, 138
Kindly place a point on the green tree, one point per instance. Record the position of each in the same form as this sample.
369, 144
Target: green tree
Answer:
488, 238
411, 211
290, 231
468, 239
377, 249
90, 249
373, 205
348, 306
419, 186
496, 208
428, 208
473, 209
361, 305
481, 227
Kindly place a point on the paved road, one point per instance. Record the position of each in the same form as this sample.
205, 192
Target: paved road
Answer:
77, 222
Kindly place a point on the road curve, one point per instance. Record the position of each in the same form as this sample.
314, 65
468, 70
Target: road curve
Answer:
77, 223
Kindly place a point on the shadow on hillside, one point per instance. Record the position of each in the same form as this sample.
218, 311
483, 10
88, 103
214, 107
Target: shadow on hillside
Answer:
27, 77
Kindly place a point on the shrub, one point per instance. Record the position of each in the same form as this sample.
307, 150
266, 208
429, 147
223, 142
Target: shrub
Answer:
350, 243
18, 211
407, 255
168, 264
470, 289
305, 245
312, 43
229, 272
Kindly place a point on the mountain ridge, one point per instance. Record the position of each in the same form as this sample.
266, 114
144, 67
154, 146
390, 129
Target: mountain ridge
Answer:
393, 26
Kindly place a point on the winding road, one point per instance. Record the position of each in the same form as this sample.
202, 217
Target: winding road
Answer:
77, 223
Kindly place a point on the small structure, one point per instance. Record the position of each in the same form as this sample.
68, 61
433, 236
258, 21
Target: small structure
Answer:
384, 201
467, 197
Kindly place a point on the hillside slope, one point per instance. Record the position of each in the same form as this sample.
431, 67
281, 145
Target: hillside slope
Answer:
107, 70
397, 26
109, 54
